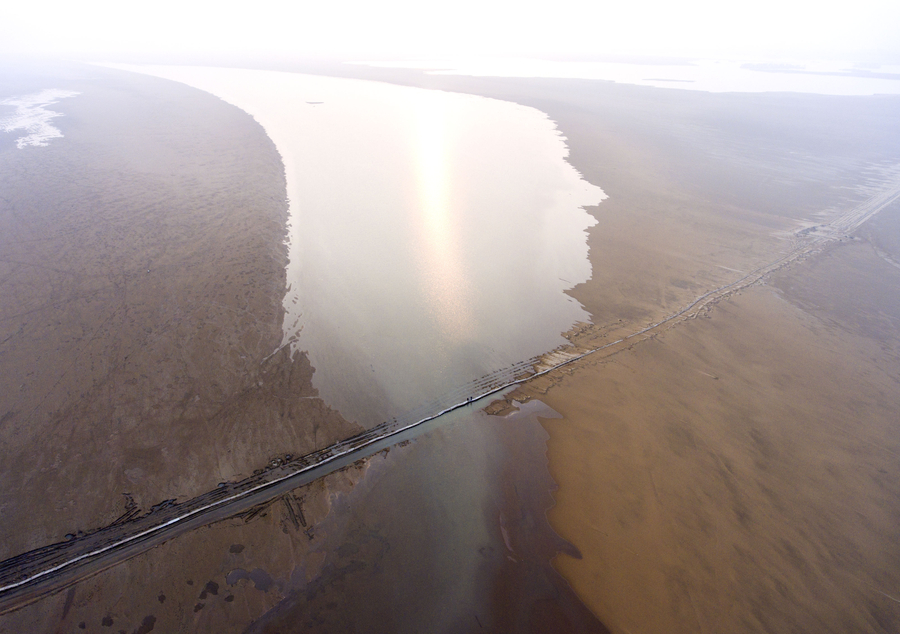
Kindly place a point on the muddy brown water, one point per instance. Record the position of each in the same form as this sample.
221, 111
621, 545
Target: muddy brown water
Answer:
446, 534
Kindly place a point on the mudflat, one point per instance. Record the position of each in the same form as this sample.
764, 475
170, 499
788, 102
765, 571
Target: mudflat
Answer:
142, 273
733, 473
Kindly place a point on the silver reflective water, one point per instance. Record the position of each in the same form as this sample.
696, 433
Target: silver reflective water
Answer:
432, 235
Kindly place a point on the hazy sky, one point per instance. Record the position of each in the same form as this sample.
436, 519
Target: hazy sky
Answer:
863, 30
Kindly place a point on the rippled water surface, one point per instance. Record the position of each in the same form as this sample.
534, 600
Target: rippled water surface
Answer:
432, 234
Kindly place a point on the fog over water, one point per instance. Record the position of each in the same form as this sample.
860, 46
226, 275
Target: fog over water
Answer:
708, 75
432, 234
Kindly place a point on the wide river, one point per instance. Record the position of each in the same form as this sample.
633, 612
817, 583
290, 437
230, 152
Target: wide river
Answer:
431, 235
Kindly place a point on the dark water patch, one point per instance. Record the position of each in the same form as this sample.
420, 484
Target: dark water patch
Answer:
146, 625
70, 597
211, 588
261, 579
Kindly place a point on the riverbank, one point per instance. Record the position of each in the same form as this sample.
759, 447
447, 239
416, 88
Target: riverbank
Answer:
730, 474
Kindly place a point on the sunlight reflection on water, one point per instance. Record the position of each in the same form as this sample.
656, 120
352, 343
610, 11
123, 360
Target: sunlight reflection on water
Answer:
440, 257
431, 235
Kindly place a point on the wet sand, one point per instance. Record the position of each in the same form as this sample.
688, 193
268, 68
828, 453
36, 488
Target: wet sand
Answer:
759, 500
734, 473
218, 578
447, 532
142, 272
